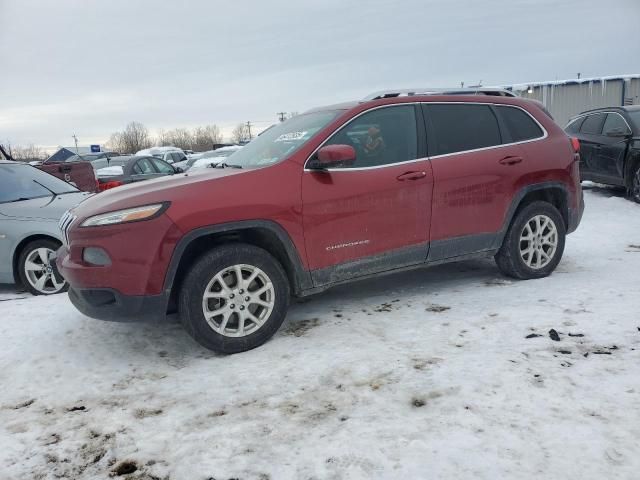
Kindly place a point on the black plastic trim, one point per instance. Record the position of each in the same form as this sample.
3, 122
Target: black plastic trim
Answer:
302, 277
517, 199
461, 246
109, 304
362, 267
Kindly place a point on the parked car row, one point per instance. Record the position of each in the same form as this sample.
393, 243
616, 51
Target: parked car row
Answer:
207, 159
133, 168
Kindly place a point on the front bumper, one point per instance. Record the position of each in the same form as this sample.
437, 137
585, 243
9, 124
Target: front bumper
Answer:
111, 305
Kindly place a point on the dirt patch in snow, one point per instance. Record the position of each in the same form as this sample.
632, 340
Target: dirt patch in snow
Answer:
301, 327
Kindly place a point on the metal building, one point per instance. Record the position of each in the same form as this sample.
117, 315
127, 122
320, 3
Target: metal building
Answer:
566, 98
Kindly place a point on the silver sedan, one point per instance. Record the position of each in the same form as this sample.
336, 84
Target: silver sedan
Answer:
31, 204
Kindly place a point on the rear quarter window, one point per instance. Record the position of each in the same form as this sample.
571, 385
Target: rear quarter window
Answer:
574, 125
520, 124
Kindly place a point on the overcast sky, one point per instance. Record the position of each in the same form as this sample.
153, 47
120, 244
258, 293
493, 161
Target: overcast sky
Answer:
89, 67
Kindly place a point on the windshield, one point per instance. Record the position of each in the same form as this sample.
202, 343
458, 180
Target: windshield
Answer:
279, 142
24, 182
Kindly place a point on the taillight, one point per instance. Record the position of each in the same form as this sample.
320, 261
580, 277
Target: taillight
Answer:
108, 185
575, 143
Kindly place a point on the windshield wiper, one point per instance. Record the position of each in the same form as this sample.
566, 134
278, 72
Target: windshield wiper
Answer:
21, 199
226, 165
46, 188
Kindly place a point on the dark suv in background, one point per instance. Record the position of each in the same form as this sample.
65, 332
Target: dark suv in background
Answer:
610, 146
332, 195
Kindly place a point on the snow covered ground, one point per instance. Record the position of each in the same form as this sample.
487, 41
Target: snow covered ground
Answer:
426, 374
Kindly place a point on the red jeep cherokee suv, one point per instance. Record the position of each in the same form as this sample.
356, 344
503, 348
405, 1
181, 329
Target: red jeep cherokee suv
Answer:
335, 194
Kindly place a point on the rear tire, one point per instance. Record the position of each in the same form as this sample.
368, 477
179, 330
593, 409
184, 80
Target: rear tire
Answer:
227, 315
534, 242
34, 269
634, 189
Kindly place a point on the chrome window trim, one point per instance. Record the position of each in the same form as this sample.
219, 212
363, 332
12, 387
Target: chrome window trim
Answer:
585, 115
545, 134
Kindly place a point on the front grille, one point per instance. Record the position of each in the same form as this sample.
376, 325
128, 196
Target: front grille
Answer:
64, 224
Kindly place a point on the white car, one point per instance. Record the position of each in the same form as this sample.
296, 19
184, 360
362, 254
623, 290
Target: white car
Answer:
213, 157
168, 154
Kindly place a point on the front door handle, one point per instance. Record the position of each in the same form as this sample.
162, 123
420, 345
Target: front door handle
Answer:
411, 176
510, 160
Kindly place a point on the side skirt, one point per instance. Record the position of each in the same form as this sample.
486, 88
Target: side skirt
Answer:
394, 262
395, 259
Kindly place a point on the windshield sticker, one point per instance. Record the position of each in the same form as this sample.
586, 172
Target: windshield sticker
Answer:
288, 137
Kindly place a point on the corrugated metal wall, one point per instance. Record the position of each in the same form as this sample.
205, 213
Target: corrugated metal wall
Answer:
568, 99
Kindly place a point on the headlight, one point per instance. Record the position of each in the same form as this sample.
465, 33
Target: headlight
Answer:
146, 212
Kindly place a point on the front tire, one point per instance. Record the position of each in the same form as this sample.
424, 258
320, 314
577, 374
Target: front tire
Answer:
534, 242
34, 268
234, 298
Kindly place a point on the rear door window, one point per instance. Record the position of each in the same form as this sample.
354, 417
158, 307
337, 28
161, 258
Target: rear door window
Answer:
592, 125
143, 167
574, 126
461, 127
519, 123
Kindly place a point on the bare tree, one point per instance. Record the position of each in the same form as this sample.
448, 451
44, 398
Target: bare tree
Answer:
27, 153
163, 139
134, 137
240, 133
203, 138
115, 144
178, 137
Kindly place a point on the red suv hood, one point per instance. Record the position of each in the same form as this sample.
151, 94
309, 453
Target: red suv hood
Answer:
147, 192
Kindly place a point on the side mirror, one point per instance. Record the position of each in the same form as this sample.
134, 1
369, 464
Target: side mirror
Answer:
333, 155
617, 133
178, 169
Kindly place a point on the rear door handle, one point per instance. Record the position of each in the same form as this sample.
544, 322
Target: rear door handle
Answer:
510, 160
411, 176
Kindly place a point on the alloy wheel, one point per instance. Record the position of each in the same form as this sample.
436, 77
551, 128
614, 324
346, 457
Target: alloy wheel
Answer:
238, 300
39, 273
538, 242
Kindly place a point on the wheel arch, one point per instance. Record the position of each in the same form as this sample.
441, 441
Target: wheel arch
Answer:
261, 233
20, 247
555, 193
631, 164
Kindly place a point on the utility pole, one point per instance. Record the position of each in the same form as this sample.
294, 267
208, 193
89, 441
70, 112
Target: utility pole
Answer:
282, 116
76, 140
249, 129
579, 74
461, 84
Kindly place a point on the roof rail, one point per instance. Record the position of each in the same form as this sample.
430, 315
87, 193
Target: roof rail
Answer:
409, 92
